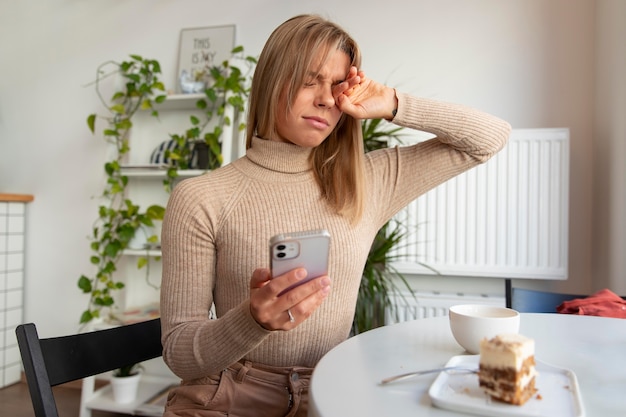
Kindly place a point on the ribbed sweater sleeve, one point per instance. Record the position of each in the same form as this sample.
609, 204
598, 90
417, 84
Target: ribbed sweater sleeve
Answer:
217, 227
465, 137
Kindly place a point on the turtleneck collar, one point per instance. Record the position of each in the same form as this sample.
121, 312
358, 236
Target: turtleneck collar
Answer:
279, 156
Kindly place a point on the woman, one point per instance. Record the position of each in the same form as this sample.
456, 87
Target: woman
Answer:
304, 169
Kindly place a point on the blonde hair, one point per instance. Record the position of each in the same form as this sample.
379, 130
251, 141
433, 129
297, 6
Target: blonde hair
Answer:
289, 53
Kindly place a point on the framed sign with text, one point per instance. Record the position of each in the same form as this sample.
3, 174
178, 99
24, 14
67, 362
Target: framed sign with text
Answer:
202, 48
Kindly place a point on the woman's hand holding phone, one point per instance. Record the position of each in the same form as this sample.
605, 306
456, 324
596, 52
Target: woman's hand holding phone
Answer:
297, 284
271, 309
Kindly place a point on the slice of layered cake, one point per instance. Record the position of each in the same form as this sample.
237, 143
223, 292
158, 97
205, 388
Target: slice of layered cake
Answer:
507, 368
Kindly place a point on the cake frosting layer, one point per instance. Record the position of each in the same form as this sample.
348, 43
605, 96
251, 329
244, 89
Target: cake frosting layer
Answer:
506, 351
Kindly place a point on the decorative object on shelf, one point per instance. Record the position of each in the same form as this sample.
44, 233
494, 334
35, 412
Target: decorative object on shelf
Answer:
158, 155
141, 238
200, 50
125, 383
189, 85
118, 217
201, 156
139, 314
379, 289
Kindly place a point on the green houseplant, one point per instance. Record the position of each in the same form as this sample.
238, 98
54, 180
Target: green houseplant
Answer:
225, 94
125, 383
118, 217
381, 283
128, 370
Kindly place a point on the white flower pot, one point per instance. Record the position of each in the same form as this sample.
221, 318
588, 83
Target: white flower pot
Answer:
125, 388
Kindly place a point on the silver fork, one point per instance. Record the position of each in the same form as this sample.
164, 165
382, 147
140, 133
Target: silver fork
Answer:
428, 371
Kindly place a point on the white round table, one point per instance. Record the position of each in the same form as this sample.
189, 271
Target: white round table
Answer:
346, 380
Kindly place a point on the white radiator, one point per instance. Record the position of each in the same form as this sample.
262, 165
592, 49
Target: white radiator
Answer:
506, 218
433, 304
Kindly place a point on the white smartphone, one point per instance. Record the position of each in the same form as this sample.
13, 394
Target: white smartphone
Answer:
308, 250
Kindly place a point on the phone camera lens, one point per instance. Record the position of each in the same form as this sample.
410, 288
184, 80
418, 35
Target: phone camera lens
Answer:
281, 254
281, 247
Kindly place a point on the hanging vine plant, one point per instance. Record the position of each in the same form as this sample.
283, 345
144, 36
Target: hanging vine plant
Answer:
118, 217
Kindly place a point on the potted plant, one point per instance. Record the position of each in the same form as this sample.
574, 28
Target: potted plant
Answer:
226, 89
118, 217
381, 283
125, 382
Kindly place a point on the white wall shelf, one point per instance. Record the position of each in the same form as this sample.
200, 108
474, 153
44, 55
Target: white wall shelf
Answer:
144, 171
142, 252
179, 102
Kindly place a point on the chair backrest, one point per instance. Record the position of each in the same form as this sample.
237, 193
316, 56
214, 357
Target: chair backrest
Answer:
533, 301
53, 361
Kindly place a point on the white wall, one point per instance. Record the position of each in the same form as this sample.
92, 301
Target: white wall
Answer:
609, 169
530, 62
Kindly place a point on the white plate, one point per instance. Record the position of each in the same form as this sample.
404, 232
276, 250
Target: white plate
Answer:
557, 393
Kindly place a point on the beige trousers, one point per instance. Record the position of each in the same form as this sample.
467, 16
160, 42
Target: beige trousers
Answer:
243, 389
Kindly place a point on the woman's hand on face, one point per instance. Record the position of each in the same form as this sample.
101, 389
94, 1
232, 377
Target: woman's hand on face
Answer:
363, 98
272, 311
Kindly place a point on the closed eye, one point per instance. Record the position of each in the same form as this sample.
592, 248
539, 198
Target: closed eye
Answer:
313, 83
314, 79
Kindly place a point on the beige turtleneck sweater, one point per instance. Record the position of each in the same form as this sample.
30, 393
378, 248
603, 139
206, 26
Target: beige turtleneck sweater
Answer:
217, 227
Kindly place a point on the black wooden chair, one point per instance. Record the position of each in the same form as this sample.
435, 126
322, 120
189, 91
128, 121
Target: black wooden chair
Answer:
57, 360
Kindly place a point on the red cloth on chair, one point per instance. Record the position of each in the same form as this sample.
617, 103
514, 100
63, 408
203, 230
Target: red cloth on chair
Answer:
604, 303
